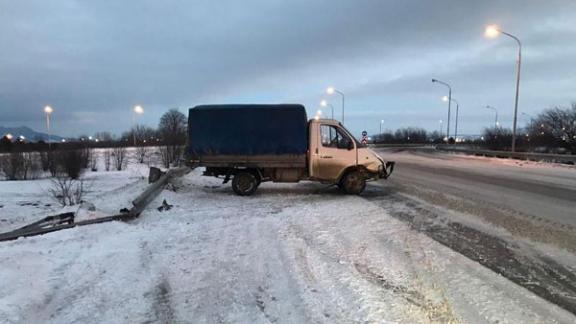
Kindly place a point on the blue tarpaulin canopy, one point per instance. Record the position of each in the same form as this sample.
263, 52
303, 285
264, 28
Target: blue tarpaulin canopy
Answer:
247, 130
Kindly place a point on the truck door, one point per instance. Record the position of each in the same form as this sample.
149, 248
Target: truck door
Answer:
336, 151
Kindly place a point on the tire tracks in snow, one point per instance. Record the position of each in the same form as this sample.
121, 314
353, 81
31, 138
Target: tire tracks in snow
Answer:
160, 294
529, 269
384, 286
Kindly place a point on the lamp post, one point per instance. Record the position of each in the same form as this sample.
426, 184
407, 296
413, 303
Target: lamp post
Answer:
138, 110
330, 91
449, 102
496, 119
493, 31
381, 123
325, 103
445, 98
440, 122
531, 118
48, 110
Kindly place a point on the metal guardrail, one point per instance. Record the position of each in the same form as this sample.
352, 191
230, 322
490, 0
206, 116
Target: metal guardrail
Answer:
560, 158
66, 220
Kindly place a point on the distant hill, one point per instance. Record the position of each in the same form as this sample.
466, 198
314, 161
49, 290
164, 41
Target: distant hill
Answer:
30, 134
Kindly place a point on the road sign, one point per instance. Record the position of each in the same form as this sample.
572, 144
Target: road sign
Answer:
364, 133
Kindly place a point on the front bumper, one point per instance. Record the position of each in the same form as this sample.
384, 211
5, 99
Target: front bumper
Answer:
385, 169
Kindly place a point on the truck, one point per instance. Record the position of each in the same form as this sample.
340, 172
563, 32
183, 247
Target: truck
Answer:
250, 144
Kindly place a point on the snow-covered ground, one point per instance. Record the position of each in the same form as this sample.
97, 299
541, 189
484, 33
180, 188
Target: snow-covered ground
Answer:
292, 253
23, 202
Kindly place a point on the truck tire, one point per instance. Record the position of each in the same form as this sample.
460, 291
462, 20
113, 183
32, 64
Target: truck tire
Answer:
245, 183
353, 183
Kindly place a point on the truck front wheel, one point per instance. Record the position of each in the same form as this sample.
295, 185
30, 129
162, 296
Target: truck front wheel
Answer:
353, 183
245, 183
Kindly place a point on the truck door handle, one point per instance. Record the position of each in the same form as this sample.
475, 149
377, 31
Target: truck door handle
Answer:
326, 157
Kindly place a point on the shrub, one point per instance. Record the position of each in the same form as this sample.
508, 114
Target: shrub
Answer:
67, 191
119, 157
70, 163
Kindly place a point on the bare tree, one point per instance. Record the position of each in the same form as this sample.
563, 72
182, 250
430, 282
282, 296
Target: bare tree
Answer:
497, 138
93, 160
107, 158
20, 165
555, 127
44, 160
70, 163
67, 191
119, 157
172, 131
11, 165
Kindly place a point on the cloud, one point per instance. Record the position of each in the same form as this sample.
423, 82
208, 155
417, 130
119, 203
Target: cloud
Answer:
93, 60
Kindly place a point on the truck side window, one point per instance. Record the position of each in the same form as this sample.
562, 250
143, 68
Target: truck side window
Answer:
332, 137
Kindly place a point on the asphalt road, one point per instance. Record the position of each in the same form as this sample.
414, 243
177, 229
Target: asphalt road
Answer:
538, 191
495, 212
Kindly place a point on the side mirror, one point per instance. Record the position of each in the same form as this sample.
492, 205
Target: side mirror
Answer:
350, 145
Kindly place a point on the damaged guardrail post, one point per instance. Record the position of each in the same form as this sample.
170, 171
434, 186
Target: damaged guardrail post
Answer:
161, 179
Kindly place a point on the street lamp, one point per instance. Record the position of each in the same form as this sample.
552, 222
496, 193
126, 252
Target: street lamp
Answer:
331, 91
496, 119
445, 98
449, 102
493, 31
381, 123
138, 110
48, 110
440, 122
325, 103
531, 118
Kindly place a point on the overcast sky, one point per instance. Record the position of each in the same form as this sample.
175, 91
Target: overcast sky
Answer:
94, 60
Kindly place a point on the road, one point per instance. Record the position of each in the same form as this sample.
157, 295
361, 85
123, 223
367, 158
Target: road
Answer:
539, 191
507, 215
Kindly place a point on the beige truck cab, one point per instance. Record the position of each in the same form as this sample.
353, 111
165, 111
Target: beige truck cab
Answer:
337, 157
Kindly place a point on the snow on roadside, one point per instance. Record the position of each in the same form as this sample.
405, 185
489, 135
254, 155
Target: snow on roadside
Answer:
23, 202
292, 253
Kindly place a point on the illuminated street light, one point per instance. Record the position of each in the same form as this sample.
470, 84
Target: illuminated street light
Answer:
493, 31
325, 103
138, 110
331, 91
449, 103
48, 111
319, 112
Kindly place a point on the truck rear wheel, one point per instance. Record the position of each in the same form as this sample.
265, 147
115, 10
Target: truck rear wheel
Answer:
245, 183
353, 183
